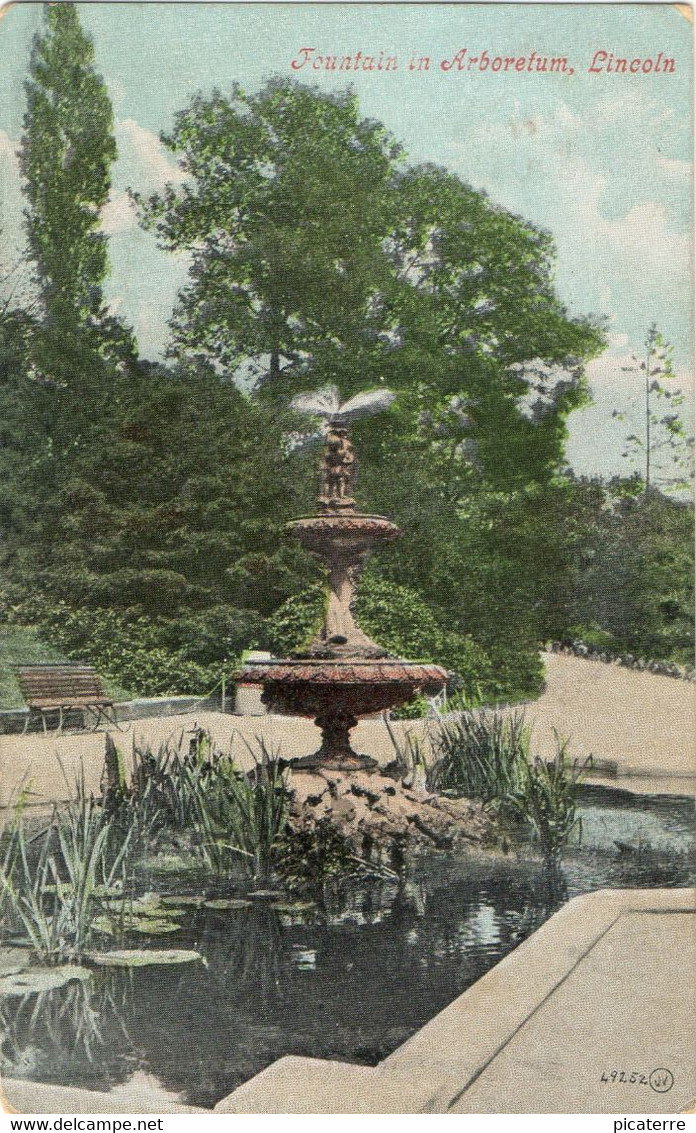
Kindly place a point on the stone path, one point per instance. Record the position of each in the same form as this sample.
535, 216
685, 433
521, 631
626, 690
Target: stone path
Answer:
598, 1042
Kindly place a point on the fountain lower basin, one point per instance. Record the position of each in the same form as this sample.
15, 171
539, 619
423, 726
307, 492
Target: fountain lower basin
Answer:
335, 693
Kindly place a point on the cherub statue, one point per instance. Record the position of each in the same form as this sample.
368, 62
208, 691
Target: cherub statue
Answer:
338, 468
339, 464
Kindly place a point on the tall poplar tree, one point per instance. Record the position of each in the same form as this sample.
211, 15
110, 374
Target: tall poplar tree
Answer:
67, 150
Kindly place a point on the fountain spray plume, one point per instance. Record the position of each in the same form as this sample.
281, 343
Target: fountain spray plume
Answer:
326, 403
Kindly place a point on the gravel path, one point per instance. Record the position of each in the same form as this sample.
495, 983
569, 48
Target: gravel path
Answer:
637, 726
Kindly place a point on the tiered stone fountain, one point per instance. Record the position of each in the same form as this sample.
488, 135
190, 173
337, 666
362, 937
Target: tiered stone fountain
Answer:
342, 674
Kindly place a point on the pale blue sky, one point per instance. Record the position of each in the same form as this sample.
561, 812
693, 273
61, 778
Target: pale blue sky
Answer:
602, 160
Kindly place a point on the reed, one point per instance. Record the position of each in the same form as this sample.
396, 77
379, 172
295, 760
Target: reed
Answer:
480, 754
546, 800
51, 883
231, 817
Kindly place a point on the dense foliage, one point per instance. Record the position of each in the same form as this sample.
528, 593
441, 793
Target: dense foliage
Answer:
633, 586
142, 505
400, 620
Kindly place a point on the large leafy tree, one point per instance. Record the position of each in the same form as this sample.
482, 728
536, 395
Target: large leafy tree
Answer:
320, 256
285, 212
633, 584
317, 251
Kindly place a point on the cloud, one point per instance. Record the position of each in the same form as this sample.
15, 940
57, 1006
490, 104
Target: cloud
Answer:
118, 215
142, 150
609, 181
143, 165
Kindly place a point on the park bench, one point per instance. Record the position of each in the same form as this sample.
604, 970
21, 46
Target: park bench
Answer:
60, 687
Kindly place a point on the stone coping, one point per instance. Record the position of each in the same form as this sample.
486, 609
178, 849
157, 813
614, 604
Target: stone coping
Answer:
432, 1070
45, 1097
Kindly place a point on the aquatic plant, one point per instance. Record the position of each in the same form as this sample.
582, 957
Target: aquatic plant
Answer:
308, 857
545, 799
229, 815
410, 758
481, 755
51, 882
487, 755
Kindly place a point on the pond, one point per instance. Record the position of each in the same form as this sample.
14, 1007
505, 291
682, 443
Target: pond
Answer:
351, 981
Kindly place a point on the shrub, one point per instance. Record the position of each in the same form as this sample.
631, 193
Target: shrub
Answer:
126, 647
400, 620
309, 857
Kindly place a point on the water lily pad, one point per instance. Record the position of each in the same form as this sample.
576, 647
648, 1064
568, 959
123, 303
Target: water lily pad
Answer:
148, 906
108, 891
294, 908
107, 925
227, 903
266, 894
173, 863
34, 980
14, 960
149, 926
142, 957
183, 901
153, 926
152, 907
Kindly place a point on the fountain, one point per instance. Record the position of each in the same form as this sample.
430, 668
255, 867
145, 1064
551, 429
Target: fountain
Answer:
341, 675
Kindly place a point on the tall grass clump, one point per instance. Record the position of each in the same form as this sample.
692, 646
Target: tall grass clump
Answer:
51, 882
487, 755
229, 816
480, 754
546, 800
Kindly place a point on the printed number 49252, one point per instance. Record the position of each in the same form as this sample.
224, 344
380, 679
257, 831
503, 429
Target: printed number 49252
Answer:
629, 1077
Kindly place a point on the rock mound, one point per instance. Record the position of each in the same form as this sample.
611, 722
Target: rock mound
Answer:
374, 809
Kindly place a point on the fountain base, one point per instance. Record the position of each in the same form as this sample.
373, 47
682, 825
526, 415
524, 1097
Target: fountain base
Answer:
336, 693
333, 762
335, 753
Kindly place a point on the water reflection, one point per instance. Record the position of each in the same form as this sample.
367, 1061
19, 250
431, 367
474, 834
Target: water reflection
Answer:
368, 967
350, 979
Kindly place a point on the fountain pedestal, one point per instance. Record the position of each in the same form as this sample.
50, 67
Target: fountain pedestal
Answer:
342, 674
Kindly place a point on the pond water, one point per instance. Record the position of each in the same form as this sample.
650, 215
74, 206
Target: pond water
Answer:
351, 982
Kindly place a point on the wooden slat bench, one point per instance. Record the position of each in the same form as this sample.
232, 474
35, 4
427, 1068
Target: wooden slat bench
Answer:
59, 687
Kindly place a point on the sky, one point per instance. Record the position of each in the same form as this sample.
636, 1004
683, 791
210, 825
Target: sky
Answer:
600, 157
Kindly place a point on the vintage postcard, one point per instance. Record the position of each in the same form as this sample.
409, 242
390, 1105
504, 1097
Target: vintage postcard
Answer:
346, 559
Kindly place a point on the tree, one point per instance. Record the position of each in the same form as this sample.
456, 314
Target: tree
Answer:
317, 250
665, 431
633, 585
320, 257
67, 150
284, 213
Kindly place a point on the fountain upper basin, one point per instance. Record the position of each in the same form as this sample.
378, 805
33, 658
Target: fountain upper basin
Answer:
348, 530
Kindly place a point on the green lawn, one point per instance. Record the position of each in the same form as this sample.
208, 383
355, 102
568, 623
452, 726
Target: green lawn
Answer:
21, 645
